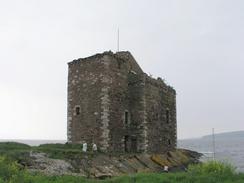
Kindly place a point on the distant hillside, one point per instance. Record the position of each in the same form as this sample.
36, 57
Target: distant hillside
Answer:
227, 135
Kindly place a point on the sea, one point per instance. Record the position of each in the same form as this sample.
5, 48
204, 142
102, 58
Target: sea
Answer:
34, 142
227, 150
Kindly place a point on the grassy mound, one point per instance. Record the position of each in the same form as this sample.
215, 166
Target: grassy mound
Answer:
7, 146
18, 151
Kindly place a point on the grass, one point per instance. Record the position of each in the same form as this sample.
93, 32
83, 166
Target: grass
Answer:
211, 172
6, 146
58, 151
11, 170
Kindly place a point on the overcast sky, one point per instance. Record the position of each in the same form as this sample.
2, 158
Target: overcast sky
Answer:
197, 46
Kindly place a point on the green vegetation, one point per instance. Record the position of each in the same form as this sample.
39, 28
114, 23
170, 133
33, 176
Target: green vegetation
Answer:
6, 146
12, 171
212, 172
61, 151
18, 151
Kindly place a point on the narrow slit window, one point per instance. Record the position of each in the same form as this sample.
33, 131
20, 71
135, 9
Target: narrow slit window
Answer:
77, 110
126, 117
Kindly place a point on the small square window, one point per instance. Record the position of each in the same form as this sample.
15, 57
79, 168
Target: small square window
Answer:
77, 110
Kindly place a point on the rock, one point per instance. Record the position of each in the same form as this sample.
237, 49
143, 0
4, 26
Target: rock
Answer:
49, 166
103, 166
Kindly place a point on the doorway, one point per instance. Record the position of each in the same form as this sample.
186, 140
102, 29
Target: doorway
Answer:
126, 143
133, 144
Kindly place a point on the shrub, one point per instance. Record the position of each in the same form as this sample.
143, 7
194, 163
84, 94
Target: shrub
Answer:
212, 167
8, 169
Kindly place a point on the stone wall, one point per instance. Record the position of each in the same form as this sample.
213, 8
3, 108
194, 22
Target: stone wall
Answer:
122, 132
138, 121
119, 107
88, 89
119, 103
161, 115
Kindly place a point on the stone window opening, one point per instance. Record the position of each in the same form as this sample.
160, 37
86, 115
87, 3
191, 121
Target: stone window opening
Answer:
77, 110
167, 116
126, 117
169, 142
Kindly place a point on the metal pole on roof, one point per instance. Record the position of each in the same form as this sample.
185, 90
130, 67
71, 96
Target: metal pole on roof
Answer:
118, 41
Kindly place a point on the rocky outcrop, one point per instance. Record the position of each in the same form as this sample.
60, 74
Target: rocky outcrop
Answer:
103, 165
48, 166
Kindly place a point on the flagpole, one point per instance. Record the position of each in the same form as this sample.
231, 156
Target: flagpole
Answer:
118, 41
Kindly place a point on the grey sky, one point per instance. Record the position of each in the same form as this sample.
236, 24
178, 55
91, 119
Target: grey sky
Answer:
197, 46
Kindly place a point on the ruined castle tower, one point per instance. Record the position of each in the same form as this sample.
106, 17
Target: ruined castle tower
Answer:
113, 103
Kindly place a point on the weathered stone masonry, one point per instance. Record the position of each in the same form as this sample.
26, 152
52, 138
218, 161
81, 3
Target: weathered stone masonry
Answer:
113, 103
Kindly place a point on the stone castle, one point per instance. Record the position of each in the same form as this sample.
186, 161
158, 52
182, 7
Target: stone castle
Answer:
114, 104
